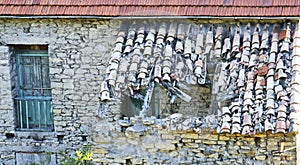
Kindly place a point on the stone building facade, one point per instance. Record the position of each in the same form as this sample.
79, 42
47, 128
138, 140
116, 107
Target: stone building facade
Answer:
79, 52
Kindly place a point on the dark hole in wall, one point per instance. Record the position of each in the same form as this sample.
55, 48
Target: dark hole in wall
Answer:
123, 129
257, 141
26, 29
10, 135
132, 105
60, 138
128, 162
176, 145
84, 138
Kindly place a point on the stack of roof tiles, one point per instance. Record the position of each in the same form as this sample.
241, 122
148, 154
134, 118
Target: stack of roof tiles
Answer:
150, 7
258, 69
260, 72
168, 52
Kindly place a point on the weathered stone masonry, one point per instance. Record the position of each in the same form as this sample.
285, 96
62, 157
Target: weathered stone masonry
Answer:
182, 147
79, 51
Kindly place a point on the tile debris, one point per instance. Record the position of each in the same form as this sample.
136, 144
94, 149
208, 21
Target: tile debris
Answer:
258, 78
256, 75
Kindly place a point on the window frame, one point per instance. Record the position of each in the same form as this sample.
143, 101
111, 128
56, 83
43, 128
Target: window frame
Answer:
38, 105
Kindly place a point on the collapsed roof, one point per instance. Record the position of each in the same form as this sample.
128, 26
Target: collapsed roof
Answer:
256, 76
161, 52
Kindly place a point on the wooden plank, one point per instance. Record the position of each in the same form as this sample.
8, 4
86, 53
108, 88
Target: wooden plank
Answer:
34, 95
177, 92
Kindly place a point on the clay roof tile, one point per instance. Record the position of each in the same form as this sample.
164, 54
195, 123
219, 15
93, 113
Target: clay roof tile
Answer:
153, 7
286, 11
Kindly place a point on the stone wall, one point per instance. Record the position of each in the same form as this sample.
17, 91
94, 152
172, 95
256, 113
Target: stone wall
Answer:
157, 146
79, 51
200, 104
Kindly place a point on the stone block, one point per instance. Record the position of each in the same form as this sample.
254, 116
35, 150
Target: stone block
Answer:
243, 151
289, 154
119, 160
272, 142
94, 35
196, 150
61, 55
133, 141
246, 147
213, 156
101, 139
162, 145
272, 148
276, 157
4, 70
186, 140
261, 135
209, 142
73, 36
193, 145
277, 162
135, 131
100, 48
81, 71
250, 154
85, 97
4, 49
61, 123
3, 62
247, 138
152, 150
190, 136
68, 72
56, 111
56, 70
233, 152
205, 136
224, 138
198, 141
222, 142
137, 161
260, 157
147, 145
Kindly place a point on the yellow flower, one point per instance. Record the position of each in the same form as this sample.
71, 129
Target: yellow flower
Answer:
79, 154
88, 156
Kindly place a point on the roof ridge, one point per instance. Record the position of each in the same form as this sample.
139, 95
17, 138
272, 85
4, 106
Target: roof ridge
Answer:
216, 8
231, 3
191, 5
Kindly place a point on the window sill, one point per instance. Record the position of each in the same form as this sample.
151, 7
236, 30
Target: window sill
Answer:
34, 134
34, 130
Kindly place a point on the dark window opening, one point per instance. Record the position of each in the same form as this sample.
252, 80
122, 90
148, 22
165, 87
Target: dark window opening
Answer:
132, 105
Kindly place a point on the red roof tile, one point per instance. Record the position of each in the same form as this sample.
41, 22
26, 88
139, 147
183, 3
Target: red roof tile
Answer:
151, 7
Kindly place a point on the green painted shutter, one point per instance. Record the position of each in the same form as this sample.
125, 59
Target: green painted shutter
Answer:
33, 103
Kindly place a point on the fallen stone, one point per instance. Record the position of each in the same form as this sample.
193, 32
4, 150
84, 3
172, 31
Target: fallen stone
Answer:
136, 131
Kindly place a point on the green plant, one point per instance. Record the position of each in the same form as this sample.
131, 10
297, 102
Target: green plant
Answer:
82, 156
